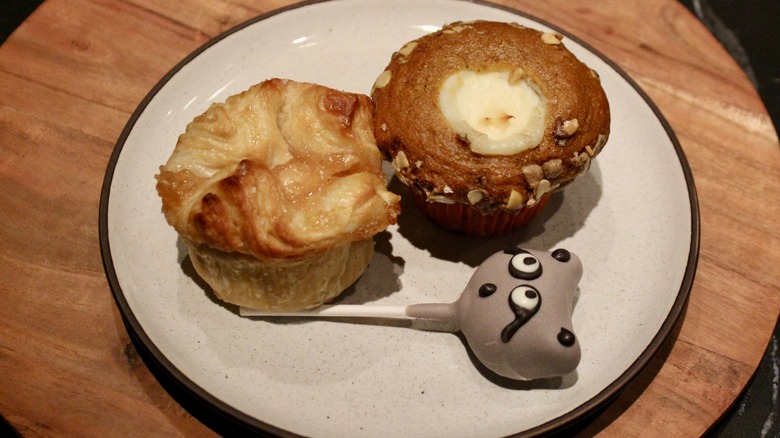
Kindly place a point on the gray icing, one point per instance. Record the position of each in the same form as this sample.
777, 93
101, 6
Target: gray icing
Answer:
522, 329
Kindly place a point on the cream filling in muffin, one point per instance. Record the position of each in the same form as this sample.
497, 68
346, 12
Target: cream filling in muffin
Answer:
497, 112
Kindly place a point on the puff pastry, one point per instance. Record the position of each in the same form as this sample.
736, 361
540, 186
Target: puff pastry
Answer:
277, 194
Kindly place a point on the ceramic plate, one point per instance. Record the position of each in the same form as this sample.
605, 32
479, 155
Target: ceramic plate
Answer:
632, 220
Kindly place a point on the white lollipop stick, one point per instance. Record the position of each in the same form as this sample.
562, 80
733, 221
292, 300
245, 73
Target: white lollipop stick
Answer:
337, 311
435, 311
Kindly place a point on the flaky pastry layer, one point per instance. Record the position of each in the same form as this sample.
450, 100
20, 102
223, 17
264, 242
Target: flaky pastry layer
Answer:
281, 171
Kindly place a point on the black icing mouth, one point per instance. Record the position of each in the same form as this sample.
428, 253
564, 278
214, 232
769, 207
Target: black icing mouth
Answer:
524, 301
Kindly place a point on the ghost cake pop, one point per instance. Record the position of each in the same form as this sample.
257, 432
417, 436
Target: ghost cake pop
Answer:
515, 313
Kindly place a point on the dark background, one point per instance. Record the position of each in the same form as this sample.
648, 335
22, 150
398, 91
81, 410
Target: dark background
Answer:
750, 31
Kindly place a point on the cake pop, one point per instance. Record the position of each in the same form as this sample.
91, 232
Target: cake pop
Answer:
515, 313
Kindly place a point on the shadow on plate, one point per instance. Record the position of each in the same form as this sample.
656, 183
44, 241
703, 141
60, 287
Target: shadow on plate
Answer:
564, 215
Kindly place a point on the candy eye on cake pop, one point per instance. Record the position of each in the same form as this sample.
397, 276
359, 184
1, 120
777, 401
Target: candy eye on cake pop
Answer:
524, 265
525, 302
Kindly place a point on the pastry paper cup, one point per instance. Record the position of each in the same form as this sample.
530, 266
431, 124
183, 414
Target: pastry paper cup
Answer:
471, 221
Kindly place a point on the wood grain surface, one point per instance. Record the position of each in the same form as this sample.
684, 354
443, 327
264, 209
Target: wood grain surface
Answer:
73, 73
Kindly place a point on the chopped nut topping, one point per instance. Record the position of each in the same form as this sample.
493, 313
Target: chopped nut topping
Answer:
516, 75
448, 190
441, 199
400, 161
475, 196
580, 160
533, 173
515, 200
383, 126
552, 168
567, 128
383, 79
552, 38
418, 164
407, 48
541, 188
455, 28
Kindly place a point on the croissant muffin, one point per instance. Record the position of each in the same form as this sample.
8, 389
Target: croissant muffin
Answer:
277, 194
483, 120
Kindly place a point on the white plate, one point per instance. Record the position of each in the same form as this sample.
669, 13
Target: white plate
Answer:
633, 221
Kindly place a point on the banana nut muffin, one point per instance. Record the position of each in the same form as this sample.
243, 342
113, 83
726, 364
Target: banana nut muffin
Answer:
483, 120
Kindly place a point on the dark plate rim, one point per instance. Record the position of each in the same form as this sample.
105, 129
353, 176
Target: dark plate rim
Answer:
231, 418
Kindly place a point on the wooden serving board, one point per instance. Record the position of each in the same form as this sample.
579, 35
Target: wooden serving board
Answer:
73, 73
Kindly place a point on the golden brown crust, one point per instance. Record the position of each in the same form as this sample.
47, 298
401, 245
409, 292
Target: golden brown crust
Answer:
280, 171
431, 158
277, 194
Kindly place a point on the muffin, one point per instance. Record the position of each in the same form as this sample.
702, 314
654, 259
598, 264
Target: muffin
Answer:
484, 120
277, 194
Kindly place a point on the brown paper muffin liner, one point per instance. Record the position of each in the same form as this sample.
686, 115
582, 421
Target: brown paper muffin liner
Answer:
469, 220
